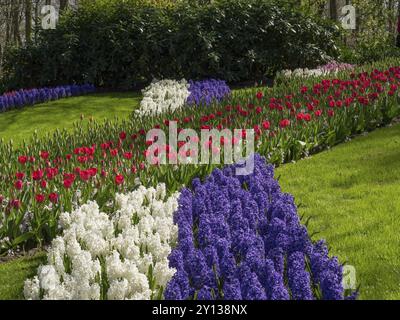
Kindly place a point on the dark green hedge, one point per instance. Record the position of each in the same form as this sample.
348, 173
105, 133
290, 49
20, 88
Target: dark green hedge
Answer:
126, 44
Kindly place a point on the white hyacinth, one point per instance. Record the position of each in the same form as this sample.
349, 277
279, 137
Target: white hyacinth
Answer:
331, 68
119, 256
163, 96
304, 73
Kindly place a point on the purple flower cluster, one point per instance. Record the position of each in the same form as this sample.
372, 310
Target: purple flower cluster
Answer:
240, 237
24, 97
207, 91
335, 66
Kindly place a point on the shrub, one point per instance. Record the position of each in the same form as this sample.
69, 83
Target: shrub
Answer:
125, 43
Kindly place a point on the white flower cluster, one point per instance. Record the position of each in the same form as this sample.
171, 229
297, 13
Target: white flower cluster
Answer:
119, 256
303, 73
163, 96
333, 67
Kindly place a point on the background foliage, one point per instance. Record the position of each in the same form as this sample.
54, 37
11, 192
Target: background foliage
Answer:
121, 44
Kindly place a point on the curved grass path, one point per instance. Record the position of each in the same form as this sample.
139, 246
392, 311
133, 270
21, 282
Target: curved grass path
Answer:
20, 124
352, 194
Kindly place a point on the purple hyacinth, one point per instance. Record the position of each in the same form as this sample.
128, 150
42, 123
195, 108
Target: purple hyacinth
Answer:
206, 92
299, 278
334, 66
24, 97
240, 237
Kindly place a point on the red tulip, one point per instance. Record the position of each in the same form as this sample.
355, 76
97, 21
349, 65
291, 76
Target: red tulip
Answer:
119, 179
84, 175
68, 183
92, 171
43, 184
20, 175
15, 203
114, 152
51, 173
18, 185
303, 90
44, 155
318, 113
37, 175
22, 159
40, 198
259, 95
122, 135
284, 123
53, 197
128, 155
300, 116
266, 125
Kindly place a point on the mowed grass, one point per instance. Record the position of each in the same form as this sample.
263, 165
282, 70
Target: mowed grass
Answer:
14, 273
20, 124
352, 194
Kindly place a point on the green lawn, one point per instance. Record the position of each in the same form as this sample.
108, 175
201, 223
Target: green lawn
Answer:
46, 117
352, 194
13, 275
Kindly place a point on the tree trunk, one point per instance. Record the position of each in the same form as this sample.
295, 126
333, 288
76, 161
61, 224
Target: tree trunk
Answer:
63, 5
8, 27
15, 22
28, 20
333, 10
398, 25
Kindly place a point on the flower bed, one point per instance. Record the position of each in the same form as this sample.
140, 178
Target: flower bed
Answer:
122, 256
48, 177
25, 97
168, 96
204, 93
332, 67
163, 96
234, 235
